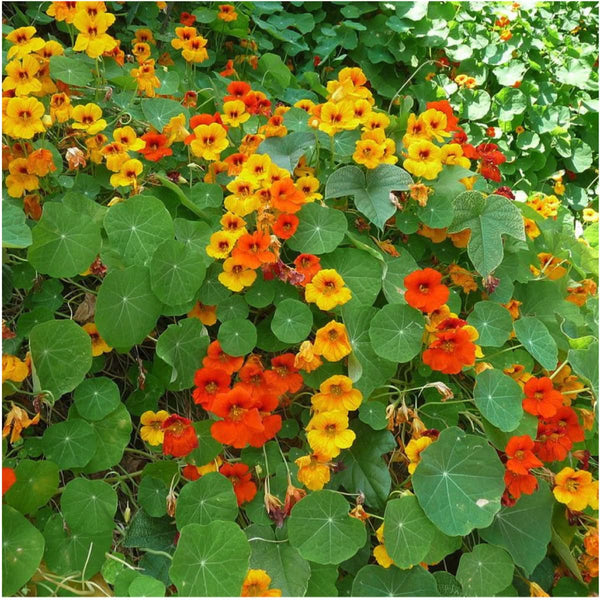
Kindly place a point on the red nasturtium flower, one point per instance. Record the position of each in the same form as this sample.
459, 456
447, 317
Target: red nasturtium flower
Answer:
425, 290
156, 147
186, 19
452, 349
240, 415
285, 226
284, 377
518, 484
308, 265
8, 479
252, 250
521, 458
557, 434
180, 436
217, 359
541, 399
237, 90
209, 382
241, 479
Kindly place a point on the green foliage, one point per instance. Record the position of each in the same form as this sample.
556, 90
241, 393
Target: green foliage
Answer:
97, 507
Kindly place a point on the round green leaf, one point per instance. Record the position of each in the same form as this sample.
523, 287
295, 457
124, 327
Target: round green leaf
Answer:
373, 580
237, 337
234, 307
441, 546
536, 339
88, 505
261, 293
70, 444
112, 436
493, 323
183, 346
146, 587
137, 227
96, 398
22, 550
176, 272
499, 398
207, 499
321, 530
321, 229
159, 111
152, 496
373, 414
210, 560
525, 529
292, 321
65, 242
459, 482
61, 353
37, 482
289, 572
408, 532
396, 332
485, 571
74, 552
126, 308
447, 585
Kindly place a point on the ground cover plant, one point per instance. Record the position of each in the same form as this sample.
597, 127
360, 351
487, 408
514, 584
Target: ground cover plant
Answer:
300, 299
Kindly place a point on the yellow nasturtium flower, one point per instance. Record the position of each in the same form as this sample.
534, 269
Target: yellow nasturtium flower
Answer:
152, 431
327, 290
424, 160
328, 433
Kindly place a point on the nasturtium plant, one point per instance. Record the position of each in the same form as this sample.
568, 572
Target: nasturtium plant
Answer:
300, 299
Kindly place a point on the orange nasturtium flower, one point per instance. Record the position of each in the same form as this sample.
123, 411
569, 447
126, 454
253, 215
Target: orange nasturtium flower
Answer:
541, 399
62, 11
328, 433
17, 420
257, 584
151, 431
217, 359
180, 436
286, 197
206, 314
20, 180
252, 250
327, 289
331, 341
313, 471
307, 359
425, 290
146, 78
227, 12
99, 346
241, 479
576, 489
337, 393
